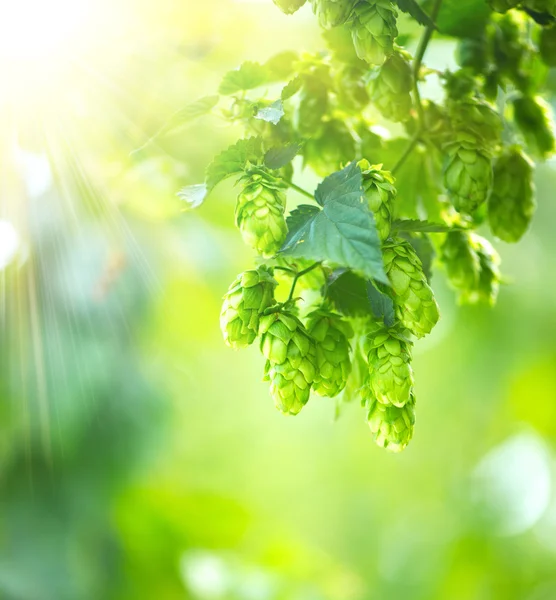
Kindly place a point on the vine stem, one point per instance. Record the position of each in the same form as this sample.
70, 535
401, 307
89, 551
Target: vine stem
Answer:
297, 276
407, 152
300, 190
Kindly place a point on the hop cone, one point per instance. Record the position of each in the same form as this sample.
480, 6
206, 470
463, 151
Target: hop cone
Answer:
249, 295
390, 374
547, 45
533, 117
260, 213
374, 30
467, 174
414, 301
392, 426
328, 152
512, 202
380, 192
332, 13
489, 277
291, 365
477, 119
391, 89
503, 6
331, 335
289, 6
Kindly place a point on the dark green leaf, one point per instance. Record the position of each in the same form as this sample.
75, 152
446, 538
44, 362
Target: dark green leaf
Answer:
248, 76
276, 158
348, 293
271, 114
461, 18
193, 195
416, 225
299, 216
233, 160
344, 231
411, 7
381, 305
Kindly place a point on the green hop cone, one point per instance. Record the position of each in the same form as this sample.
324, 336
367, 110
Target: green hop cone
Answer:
374, 30
380, 193
391, 88
467, 174
414, 301
512, 202
547, 45
247, 298
291, 365
260, 213
489, 277
476, 118
289, 6
391, 426
390, 374
503, 6
333, 148
331, 335
332, 13
534, 120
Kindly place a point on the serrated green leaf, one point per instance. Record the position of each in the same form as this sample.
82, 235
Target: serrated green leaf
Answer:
271, 114
193, 195
299, 216
276, 158
281, 66
381, 305
233, 160
248, 76
292, 88
344, 231
348, 293
412, 8
418, 226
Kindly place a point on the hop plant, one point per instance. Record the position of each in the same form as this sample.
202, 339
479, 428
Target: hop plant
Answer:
547, 45
414, 301
467, 173
291, 365
289, 6
534, 120
390, 374
260, 213
332, 13
374, 30
331, 335
391, 88
503, 6
391, 426
327, 152
380, 192
512, 202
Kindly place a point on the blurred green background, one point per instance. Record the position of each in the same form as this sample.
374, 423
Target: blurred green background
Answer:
140, 458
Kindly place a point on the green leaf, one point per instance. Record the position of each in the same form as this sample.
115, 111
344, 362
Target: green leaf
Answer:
279, 157
348, 293
193, 195
416, 225
461, 19
412, 8
271, 114
299, 217
381, 305
292, 88
233, 160
248, 76
344, 231
281, 66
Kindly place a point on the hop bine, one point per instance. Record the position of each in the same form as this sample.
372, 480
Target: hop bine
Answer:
331, 335
374, 31
291, 365
247, 298
332, 13
512, 202
414, 301
391, 88
380, 192
390, 380
260, 213
392, 426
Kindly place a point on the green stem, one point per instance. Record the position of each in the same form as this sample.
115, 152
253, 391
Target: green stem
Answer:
410, 147
300, 190
297, 276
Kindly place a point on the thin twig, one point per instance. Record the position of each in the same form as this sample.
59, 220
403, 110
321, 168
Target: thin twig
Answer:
297, 276
410, 147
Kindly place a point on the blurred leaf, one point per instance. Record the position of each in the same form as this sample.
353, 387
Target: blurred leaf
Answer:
193, 195
248, 76
461, 19
412, 8
417, 225
348, 293
292, 88
271, 114
233, 160
344, 231
281, 66
381, 305
276, 158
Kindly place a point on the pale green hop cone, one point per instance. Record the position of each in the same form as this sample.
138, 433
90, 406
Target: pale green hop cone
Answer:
247, 298
392, 427
390, 374
414, 300
511, 204
490, 277
461, 261
391, 89
380, 192
374, 30
331, 335
289, 6
533, 116
332, 13
260, 213
467, 174
291, 365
